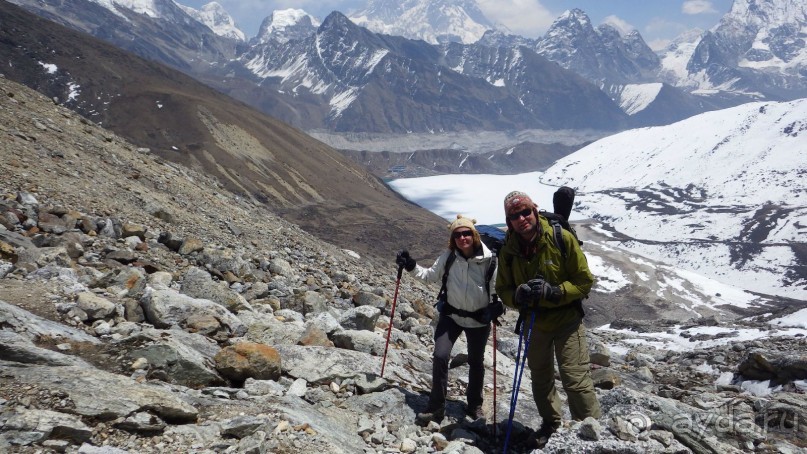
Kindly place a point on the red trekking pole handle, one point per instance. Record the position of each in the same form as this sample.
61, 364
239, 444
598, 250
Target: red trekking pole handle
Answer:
391, 318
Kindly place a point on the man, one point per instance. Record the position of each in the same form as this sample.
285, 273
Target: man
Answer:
534, 276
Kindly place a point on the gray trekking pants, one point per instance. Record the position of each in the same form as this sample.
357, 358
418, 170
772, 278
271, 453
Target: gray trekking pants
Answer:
445, 335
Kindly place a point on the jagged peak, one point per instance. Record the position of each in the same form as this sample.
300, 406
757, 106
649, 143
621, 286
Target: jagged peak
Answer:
767, 12
574, 15
217, 19
283, 25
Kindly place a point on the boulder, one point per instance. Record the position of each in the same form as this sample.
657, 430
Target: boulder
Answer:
248, 360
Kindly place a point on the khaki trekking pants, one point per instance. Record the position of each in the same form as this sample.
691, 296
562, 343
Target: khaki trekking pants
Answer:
570, 347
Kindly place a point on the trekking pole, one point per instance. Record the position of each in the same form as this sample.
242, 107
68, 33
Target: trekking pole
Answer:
391, 318
517, 380
494, 381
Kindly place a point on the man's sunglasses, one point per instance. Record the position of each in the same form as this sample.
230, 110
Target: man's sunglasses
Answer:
523, 213
465, 233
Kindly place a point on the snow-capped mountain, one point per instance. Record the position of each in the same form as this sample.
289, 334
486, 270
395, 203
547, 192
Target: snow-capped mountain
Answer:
600, 54
758, 50
723, 193
441, 87
285, 25
217, 19
360, 76
158, 30
434, 21
675, 57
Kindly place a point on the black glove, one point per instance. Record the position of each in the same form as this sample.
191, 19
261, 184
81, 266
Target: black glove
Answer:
524, 298
496, 310
404, 261
542, 290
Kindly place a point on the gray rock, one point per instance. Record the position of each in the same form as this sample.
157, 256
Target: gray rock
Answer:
142, 422
360, 318
25, 427
242, 426
281, 267
18, 348
369, 299
186, 358
96, 307
263, 387
33, 327
361, 341
590, 429
324, 321
96, 393
298, 388
598, 352
321, 365
198, 283
166, 308
226, 260
90, 449
26, 198
313, 303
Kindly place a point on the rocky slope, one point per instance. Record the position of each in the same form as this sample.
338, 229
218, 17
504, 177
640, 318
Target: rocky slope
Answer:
185, 122
144, 308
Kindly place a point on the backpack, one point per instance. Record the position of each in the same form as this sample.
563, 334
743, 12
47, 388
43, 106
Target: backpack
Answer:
492, 236
562, 202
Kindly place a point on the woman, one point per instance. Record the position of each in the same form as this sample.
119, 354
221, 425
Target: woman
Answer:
468, 307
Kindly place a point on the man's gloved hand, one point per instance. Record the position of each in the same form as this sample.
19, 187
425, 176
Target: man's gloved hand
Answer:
542, 290
496, 310
405, 261
553, 293
524, 297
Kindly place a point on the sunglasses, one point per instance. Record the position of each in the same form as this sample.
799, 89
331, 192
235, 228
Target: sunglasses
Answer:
463, 234
523, 213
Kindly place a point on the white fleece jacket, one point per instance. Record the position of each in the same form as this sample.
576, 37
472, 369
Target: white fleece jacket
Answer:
466, 282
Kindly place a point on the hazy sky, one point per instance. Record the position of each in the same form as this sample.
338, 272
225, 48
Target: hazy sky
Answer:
657, 20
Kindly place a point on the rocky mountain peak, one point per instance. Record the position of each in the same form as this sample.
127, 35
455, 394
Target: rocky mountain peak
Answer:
432, 21
287, 24
767, 13
217, 19
757, 50
571, 19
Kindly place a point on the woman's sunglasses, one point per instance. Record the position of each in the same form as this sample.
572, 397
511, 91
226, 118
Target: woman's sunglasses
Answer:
462, 234
523, 213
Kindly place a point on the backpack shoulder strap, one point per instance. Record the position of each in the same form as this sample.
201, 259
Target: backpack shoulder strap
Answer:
557, 231
449, 261
489, 274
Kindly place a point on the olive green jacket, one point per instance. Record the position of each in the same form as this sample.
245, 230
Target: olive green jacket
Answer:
571, 274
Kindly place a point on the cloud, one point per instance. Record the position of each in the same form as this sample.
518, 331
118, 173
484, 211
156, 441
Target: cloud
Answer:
620, 24
523, 17
693, 7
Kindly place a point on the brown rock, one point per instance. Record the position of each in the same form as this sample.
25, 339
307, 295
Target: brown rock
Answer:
133, 311
7, 252
137, 230
202, 324
191, 245
314, 336
248, 360
605, 378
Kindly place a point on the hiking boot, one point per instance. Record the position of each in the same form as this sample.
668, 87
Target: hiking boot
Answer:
475, 412
541, 438
437, 415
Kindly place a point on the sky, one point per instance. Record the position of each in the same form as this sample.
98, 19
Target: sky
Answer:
658, 21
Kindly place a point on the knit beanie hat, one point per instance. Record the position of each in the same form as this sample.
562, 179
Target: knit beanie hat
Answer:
462, 221
516, 199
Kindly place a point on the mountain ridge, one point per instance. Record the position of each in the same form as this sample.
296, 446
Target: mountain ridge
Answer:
184, 121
